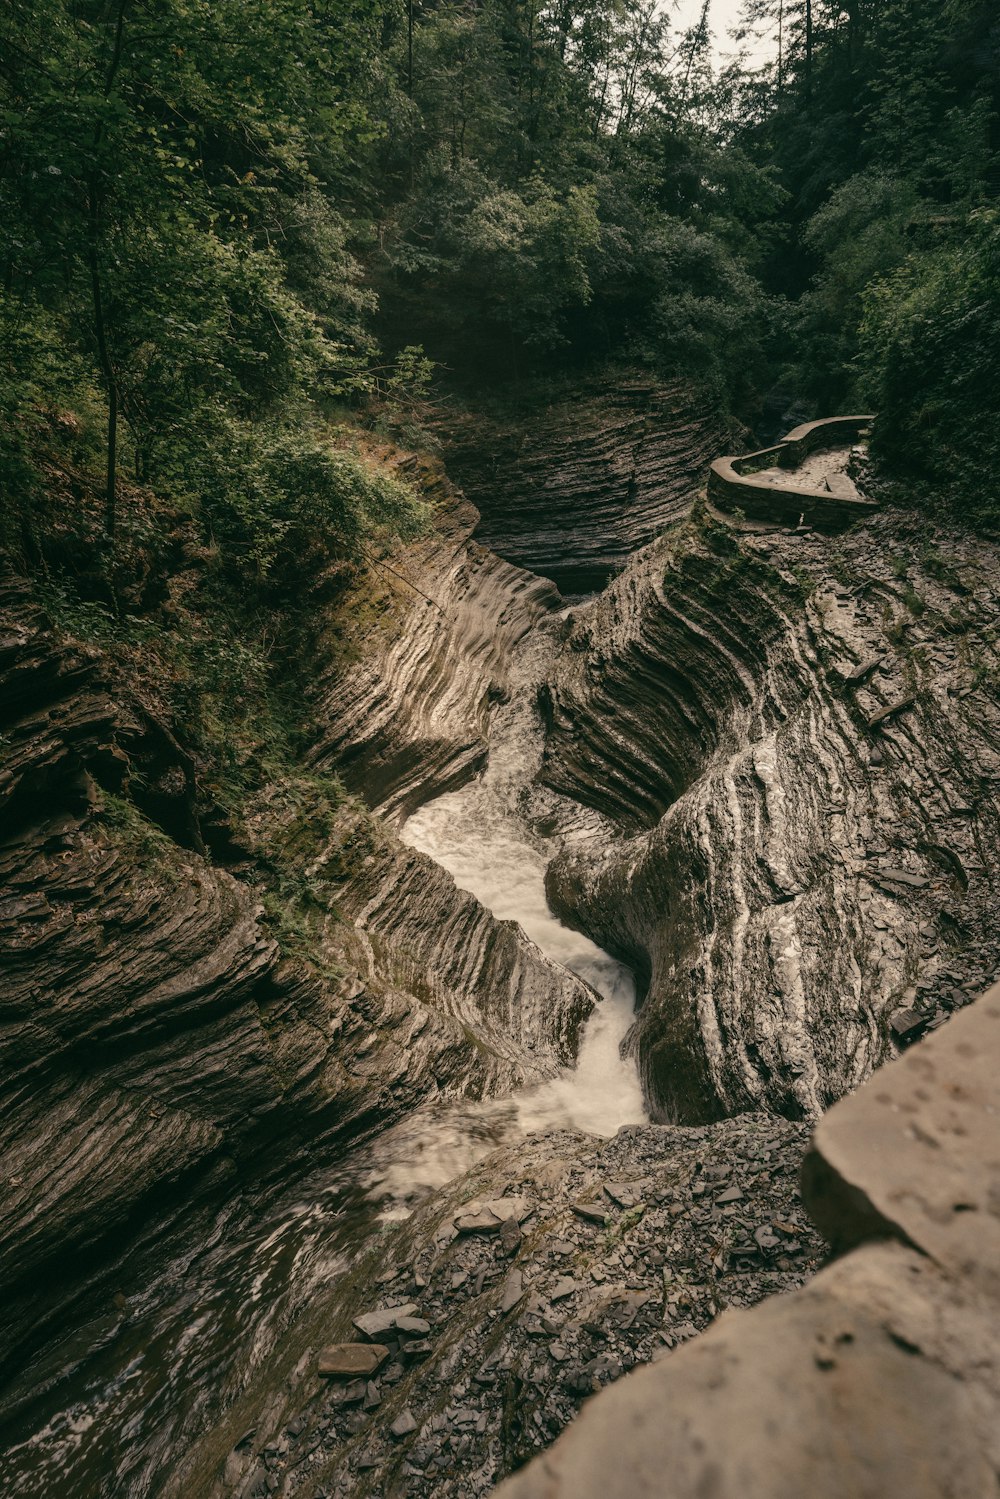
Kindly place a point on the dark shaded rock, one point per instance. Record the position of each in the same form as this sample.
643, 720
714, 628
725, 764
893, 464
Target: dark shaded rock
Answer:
510, 1235
907, 1025
571, 487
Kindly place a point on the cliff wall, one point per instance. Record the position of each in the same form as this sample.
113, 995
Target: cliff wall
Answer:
574, 482
799, 745
163, 1033
417, 656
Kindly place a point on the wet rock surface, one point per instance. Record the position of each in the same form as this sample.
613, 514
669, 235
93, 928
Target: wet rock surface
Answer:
161, 1047
880, 1376
625, 1249
799, 741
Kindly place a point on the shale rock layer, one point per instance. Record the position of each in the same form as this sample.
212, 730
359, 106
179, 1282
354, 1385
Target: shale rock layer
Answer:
157, 1035
880, 1377
570, 489
402, 707
801, 746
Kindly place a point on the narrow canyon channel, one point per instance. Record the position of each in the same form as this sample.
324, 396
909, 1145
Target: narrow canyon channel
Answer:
483, 836
109, 1410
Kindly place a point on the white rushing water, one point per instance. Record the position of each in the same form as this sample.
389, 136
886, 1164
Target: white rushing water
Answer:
481, 835
142, 1388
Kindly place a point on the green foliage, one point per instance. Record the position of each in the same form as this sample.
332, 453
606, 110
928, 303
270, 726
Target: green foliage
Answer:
712, 319
517, 259
530, 251
538, 179
856, 236
171, 262
273, 498
930, 364
147, 843
48, 404
205, 206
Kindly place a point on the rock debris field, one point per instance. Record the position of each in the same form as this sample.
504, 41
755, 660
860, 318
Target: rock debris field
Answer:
524, 1288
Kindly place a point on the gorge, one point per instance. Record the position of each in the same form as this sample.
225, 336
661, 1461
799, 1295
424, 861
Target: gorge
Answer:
499, 749
752, 769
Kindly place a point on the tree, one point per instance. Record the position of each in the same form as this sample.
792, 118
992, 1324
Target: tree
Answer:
159, 196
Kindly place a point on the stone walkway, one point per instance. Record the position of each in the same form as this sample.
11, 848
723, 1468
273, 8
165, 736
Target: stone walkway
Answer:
824, 470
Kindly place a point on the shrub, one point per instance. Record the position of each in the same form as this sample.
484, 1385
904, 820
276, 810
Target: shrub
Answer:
930, 366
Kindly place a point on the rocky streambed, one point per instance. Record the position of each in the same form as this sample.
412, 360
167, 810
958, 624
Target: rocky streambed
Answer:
465, 1339
360, 1224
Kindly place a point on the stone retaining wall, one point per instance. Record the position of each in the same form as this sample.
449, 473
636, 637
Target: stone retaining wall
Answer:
732, 485
880, 1379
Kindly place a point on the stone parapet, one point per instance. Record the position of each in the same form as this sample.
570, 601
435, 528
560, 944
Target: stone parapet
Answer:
733, 483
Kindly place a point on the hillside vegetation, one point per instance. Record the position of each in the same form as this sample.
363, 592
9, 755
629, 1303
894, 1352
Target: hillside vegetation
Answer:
235, 233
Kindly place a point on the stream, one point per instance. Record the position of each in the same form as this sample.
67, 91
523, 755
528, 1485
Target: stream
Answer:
102, 1415
482, 836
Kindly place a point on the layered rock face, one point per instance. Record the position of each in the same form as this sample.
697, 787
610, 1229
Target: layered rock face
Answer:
437, 942
572, 489
469, 1336
403, 707
777, 760
157, 1038
799, 741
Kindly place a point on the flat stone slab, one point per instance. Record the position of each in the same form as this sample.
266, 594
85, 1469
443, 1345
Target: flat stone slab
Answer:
893, 711
403, 1425
624, 1194
488, 1217
374, 1324
417, 1327
351, 1360
513, 1290
844, 1389
842, 485
904, 877
590, 1212
915, 1153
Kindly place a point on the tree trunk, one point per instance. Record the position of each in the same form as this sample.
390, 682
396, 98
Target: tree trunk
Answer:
110, 383
698, 42
97, 295
809, 48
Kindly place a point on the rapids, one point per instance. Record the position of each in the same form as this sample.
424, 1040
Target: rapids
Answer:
108, 1410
